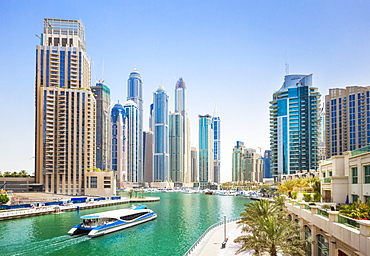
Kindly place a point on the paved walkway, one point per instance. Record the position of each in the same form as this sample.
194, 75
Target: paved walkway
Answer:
212, 242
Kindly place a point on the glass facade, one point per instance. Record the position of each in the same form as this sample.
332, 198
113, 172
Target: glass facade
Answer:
294, 126
135, 94
160, 125
216, 147
119, 142
205, 150
134, 173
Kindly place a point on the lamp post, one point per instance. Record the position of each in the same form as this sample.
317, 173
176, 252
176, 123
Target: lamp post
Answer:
225, 228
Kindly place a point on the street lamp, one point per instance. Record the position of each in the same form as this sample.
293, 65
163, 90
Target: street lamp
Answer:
225, 228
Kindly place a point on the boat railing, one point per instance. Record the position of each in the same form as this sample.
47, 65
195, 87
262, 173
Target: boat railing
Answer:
192, 248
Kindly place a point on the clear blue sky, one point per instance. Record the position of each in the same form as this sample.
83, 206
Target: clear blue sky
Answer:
231, 54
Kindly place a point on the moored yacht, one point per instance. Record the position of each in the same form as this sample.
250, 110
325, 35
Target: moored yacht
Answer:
106, 222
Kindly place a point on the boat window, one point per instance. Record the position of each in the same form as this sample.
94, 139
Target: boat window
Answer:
133, 216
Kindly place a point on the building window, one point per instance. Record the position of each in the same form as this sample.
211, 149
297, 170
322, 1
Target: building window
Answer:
308, 240
367, 199
330, 174
94, 182
322, 246
354, 175
367, 173
354, 198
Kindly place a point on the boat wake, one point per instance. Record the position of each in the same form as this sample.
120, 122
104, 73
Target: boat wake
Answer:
50, 245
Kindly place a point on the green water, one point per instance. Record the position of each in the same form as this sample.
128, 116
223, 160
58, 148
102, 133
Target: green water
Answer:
182, 218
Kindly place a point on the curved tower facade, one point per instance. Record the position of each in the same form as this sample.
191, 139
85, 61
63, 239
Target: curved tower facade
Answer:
119, 147
294, 126
160, 128
135, 94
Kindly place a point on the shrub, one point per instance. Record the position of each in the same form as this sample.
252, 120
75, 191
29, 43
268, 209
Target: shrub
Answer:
294, 194
307, 197
4, 199
317, 197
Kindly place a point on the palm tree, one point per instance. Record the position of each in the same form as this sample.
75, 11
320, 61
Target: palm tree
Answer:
287, 187
142, 193
256, 210
272, 236
130, 192
269, 230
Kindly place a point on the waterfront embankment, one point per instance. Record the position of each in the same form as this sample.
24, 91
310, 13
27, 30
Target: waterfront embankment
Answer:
41, 210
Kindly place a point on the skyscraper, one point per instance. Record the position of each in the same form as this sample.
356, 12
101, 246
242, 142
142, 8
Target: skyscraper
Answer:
266, 164
160, 127
180, 136
103, 126
347, 119
134, 173
135, 93
65, 108
206, 155
294, 126
176, 149
148, 156
216, 146
247, 164
194, 165
119, 144
237, 161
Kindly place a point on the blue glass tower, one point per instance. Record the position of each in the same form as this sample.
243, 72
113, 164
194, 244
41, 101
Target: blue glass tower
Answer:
119, 149
216, 146
294, 126
135, 94
206, 156
266, 164
134, 174
160, 127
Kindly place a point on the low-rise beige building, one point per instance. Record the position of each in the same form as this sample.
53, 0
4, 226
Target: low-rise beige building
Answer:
346, 178
100, 183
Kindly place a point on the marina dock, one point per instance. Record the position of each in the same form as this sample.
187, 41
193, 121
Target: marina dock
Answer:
28, 212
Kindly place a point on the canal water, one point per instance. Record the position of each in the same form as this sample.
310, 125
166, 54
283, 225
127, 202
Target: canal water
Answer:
182, 218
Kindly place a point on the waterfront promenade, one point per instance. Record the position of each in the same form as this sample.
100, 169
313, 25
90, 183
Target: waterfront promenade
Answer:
212, 242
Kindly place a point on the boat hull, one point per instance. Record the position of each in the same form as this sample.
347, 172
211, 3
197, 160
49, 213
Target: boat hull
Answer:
103, 231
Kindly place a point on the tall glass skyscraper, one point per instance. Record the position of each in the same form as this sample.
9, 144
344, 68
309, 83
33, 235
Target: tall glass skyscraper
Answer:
176, 149
65, 109
160, 127
216, 146
134, 173
180, 165
119, 144
206, 156
294, 126
135, 94
103, 126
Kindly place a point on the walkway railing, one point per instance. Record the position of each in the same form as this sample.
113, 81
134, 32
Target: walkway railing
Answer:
207, 231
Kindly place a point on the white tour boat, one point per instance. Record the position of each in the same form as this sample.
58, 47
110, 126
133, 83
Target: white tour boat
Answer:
106, 222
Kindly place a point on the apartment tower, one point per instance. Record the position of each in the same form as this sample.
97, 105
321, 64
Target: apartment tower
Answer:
65, 109
347, 119
294, 127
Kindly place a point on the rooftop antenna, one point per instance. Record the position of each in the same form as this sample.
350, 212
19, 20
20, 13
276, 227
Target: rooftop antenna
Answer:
102, 76
93, 64
286, 66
